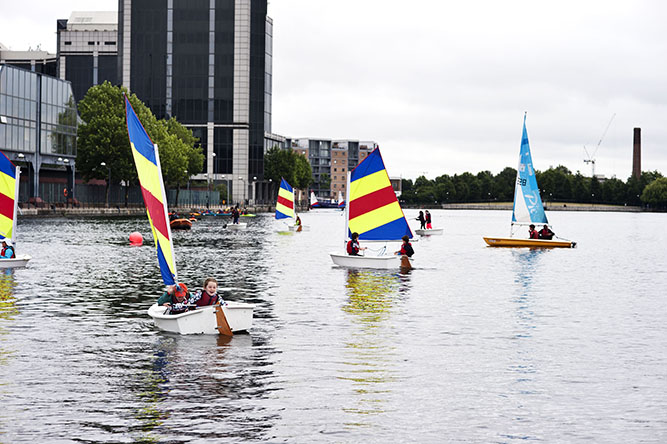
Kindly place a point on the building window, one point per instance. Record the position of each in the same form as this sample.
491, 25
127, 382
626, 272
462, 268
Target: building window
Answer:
68, 43
91, 43
110, 43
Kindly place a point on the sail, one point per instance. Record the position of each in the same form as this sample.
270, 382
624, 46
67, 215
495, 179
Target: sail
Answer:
313, 201
285, 203
9, 181
147, 161
528, 206
373, 210
341, 201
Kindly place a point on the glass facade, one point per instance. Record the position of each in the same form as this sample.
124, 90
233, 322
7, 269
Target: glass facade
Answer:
223, 102
32, 102
257, 92
79, 71
223, 148
148, 54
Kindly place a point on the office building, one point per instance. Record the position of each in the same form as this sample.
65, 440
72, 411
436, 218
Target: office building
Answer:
87, 52
38, 124
208, 64
34, 60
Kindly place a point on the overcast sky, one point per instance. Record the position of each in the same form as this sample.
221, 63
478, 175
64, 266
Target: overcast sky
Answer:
442, 86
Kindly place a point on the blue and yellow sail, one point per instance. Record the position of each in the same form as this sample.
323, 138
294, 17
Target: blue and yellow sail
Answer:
372, 208
285, 203
528, 206
147, 161
9, 175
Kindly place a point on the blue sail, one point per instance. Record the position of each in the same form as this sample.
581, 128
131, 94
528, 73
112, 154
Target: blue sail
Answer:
528, 206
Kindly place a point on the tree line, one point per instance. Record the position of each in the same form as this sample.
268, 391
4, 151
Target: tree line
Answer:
556, 184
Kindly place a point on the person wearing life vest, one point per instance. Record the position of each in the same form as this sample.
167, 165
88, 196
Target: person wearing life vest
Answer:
208, 294
533, 234
7, 250
406, 247
353, 247
546, 233
176, 298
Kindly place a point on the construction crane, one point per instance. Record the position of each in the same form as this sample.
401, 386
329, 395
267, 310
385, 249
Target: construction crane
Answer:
591, 158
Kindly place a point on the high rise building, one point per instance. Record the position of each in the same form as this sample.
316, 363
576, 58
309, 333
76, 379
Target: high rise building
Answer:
208, 64
87, 50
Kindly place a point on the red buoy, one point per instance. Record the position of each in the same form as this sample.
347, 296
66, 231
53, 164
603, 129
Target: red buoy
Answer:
136, 238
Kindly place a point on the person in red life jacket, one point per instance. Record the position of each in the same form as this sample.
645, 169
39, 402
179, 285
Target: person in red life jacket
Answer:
353, 247
546, 233
406, 247
208, 294
533, 234
428, 220
7, 250
176, 298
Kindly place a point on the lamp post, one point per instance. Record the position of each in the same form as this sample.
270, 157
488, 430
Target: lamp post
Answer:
226, 186
108, 181
189, 199
208, 185
254, 189
244, 188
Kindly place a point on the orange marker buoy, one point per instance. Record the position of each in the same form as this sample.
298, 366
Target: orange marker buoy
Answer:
136, 238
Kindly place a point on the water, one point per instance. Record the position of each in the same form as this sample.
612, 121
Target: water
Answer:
473, 345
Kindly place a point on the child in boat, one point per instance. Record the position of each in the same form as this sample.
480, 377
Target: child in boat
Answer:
421, 220
353, 247
546, 233
406, 247
7, 250
176, 298
428, 220
532, 233
208, 294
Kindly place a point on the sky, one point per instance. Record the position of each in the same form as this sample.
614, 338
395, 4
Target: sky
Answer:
442, 86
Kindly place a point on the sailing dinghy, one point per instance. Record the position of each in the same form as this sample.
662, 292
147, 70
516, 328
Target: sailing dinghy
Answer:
213, 319
285, 206
373, 211
9, 197
528, 208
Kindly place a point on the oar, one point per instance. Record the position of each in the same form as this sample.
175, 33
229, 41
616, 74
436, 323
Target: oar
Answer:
223, 326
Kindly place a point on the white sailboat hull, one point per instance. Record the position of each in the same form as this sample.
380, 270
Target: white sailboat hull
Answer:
381, 262
239, 226
430, 232
17, 262
295, 227
203, 320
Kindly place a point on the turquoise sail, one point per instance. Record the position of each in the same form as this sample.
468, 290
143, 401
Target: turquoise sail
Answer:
528, 207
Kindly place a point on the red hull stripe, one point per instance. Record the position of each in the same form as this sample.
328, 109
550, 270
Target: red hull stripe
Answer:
287, 203
156, 210
372, 201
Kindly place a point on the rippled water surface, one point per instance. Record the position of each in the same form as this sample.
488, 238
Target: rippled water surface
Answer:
473, 345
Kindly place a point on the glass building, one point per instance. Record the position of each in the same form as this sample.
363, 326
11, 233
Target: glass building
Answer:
208, 64
38, 124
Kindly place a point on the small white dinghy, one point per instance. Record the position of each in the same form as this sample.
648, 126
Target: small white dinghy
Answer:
430, 232
390, 262
204, 320
17, 262
239, 226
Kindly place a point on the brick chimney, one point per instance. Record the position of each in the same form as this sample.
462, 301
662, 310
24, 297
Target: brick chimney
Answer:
637, 153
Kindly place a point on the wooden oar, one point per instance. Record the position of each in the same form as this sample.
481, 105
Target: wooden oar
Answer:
223, 325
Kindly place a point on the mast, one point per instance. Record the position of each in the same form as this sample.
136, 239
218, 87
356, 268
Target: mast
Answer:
347, 204
16, 204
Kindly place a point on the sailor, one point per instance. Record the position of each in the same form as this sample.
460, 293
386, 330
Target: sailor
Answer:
177, 298
7, 250
353, 247
406, 247
546, 233
208, 295
533, 234
421, 220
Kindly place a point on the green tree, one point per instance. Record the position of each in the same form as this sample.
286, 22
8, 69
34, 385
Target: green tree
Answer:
503, 184
655, 193
303, 173
279, 164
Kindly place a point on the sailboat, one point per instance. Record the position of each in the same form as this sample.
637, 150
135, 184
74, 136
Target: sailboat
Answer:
373, 212
213, 319
528, 208
316, 204
9, 196
285, 206
341, 201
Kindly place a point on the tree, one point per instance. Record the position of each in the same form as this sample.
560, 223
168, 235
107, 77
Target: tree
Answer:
279, 164
303, 173
655, 193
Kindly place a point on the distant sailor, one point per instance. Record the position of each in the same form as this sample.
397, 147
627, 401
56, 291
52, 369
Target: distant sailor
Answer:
7, 250
532, 233
546, 233
421, 220
428, 220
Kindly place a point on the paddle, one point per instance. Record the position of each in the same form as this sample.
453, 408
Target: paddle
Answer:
223, 326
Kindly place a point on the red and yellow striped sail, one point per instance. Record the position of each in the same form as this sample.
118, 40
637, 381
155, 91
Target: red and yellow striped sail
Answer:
8, 195
147, 161
285, 202
373, 209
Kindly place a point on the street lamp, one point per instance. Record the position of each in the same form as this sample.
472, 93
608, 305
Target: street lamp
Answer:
189, 199
244, 188
208, 185
108, 181
227, 186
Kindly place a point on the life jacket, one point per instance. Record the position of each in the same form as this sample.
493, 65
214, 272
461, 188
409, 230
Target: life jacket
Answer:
352, 248
407, 249
533, 234
206, 299
545, 233
2, 253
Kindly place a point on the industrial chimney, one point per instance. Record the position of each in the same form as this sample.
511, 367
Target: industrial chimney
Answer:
637, 154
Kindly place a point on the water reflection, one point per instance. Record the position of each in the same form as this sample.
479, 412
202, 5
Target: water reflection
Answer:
8, 310
370, 352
